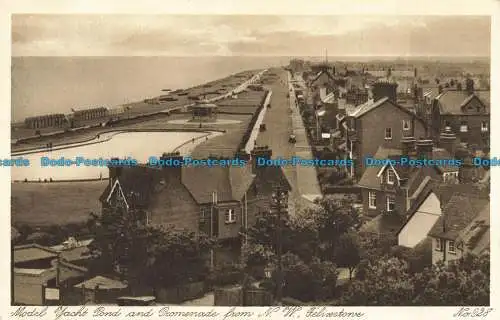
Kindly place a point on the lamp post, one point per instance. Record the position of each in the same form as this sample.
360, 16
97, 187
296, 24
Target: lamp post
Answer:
279, 205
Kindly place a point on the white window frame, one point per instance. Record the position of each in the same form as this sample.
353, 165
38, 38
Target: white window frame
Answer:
464, 127
372, 196
452, 247
390, 200
484, 126
385, 134
230, 216
391, 173
439, 244
406, 125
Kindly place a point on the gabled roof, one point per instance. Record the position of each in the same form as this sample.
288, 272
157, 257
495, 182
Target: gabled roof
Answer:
370, 105
318, 75
371, 175
453, 101
33, 252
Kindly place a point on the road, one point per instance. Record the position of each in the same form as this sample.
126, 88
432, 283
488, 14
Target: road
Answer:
282, 120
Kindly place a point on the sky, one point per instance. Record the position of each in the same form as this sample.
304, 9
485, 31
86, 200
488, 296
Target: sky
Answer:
249, 35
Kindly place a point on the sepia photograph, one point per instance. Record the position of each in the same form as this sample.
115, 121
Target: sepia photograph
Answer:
250, 160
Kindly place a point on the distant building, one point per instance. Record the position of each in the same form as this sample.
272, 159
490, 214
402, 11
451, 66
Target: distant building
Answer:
378, 122
46, 121
466, 113
204, 111
90, 114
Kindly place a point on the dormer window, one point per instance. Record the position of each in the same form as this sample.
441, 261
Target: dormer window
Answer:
464, 127
406, 125
484, 126
391, 177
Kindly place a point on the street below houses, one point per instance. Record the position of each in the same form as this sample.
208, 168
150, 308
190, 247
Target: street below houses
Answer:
283, 119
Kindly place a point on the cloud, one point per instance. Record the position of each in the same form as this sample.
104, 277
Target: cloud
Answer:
83, 35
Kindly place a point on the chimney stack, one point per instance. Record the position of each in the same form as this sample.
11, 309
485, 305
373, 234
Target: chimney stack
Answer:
448, 141
260, 152
172, 164
424, 148
415, 73
408, 146
384, 89
440, 89
115, 171
469, 86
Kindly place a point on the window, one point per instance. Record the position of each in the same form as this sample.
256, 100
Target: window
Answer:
391, 176
450, 177
391, 204
451, 246
447, 125
372, 200
406, 125
464, 127
388, 133
439, 245
230, 216
484, 126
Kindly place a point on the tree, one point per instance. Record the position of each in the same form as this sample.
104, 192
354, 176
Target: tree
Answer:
388, 282
332, 219
348, 252
144, 255
384, 283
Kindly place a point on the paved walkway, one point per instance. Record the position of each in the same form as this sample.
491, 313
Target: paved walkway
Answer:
307, 179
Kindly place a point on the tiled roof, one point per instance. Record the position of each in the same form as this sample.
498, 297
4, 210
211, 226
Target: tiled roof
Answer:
476, 236
139, 184
452, 101
32, 252
414, 175
458, 212
230, 183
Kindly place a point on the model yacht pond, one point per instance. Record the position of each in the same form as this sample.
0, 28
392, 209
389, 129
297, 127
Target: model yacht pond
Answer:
135, 145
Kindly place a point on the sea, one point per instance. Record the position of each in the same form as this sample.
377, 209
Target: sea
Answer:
44, 85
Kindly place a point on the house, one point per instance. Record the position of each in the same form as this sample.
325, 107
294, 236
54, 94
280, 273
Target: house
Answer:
454, 217
36, 270
394, 188
218, 201
460, 229
378, 122
464, 112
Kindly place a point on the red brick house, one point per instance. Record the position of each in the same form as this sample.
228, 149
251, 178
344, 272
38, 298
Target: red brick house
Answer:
395, 188
378, 122
217, 200
464, 112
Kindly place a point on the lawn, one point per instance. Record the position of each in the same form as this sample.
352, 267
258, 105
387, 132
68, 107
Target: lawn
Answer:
43, 204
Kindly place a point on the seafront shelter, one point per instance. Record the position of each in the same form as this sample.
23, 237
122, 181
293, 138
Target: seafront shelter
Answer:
204, 111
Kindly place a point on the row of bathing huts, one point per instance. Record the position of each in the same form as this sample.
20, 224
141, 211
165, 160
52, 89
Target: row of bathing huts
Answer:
67, 120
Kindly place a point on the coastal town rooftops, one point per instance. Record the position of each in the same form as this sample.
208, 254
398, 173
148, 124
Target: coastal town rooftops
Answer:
140, 184
453, 102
